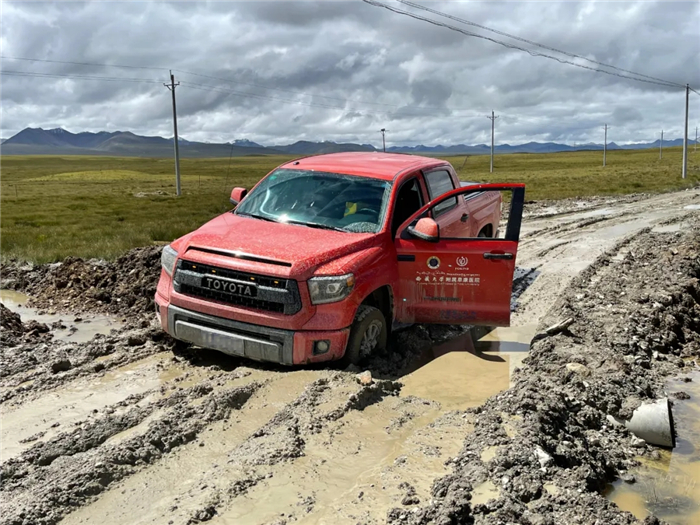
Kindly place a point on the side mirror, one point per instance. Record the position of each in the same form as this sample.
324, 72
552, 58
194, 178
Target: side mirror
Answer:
426, 229
237, 195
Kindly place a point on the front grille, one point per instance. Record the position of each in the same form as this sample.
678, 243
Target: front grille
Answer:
274, 294
260, 280
249, 302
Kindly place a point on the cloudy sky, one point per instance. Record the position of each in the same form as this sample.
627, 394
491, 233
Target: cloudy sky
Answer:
276, 72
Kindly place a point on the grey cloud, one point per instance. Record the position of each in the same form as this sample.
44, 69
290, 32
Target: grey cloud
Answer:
342, 70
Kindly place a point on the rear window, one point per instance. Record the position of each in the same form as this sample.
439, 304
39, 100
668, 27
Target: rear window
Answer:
440, 182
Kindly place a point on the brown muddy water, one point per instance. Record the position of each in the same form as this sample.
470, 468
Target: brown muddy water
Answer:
77, 329
465, 371
669, 487
83, 398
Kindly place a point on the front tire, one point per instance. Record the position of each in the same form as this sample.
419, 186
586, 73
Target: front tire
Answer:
368, 335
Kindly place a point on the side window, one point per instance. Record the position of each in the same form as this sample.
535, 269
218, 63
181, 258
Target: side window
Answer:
408, 202
440, 182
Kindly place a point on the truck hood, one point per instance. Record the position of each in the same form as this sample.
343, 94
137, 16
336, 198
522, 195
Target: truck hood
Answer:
284, 250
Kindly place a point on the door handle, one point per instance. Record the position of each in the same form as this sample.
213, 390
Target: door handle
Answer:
464, 217
489, 255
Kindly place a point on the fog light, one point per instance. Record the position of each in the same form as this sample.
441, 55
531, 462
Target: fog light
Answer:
321, 347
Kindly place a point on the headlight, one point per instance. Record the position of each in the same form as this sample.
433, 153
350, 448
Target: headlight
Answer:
330, 289
167, 259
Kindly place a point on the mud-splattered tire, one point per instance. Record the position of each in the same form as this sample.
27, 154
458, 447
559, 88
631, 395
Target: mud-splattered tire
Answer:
367, 335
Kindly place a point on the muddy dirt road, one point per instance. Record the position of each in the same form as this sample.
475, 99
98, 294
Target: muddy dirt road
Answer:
475, 427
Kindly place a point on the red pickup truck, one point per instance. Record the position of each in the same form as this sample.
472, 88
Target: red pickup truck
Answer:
326, 253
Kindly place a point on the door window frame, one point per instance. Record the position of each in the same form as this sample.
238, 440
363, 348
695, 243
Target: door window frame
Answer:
421, 194
515, 213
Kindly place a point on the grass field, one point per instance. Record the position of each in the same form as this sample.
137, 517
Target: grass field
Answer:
54, 207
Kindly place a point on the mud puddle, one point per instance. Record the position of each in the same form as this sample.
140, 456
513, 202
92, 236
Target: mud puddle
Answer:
55, 412
465, 371
72, 328
669, 487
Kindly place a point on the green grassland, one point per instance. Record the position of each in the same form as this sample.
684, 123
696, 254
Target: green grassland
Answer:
54, 207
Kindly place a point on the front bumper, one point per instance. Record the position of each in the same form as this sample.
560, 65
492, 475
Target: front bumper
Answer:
261, 343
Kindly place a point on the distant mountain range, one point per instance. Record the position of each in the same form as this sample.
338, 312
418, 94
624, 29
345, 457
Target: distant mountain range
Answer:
58, 141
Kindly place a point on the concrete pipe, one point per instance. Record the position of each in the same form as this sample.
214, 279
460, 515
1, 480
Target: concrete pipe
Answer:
653, 422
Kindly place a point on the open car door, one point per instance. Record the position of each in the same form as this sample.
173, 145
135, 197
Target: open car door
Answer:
466, 277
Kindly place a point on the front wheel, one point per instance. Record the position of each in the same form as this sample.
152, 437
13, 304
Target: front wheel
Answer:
367, 335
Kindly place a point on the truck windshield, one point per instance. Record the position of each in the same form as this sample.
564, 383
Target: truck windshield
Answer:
320, 200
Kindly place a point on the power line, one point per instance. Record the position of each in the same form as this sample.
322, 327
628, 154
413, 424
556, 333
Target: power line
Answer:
514, 37
230, 81
205, 87
79, 77
82, 63
338, 99
513, 46
219, 89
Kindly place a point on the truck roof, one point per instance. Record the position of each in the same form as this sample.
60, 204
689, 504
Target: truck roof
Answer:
373, 164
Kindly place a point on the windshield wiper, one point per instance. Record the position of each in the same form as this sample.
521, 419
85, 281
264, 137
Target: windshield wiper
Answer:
243, 214
317, 225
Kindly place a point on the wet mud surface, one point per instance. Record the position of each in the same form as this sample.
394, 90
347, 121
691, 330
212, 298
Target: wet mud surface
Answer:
449, 426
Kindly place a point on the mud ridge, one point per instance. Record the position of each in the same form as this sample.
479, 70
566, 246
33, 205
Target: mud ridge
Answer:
44, 494
577, 205
635, 318
92, 433
283, 438
124, 286
33, 367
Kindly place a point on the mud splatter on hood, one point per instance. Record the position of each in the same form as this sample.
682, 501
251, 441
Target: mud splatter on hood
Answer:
291, 249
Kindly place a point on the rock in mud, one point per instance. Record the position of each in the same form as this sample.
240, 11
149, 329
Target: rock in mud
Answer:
136, 340
578, 368
60, 365
365, 378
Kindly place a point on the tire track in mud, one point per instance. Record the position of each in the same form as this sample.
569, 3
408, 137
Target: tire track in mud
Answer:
41, 488
543, 451
50, 413
313, 445
237, 458
570, 226
559, 252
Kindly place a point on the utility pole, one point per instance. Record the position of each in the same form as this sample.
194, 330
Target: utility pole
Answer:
172, 87
685, 134
661, 144
383, 131
696, 140
605, 144
492, 118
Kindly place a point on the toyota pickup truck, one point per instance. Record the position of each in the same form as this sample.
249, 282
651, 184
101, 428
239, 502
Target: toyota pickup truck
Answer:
326, 253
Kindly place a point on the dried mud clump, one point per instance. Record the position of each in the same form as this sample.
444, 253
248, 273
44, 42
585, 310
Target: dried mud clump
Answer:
634, 318
124, 286
14, 332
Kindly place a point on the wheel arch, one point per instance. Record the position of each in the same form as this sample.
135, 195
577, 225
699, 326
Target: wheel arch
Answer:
383, 299
487, 230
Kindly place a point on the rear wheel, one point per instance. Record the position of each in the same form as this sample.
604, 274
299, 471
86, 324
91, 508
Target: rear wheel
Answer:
367, 335
485, 232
